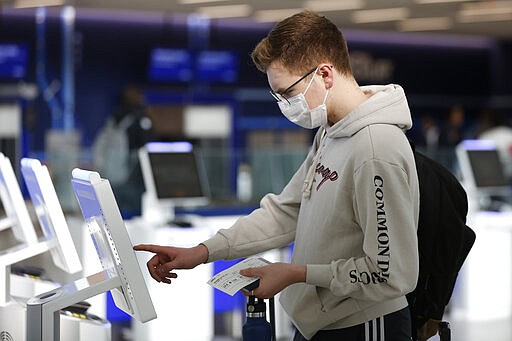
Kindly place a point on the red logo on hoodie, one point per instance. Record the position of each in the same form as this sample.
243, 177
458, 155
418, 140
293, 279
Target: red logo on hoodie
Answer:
326, 174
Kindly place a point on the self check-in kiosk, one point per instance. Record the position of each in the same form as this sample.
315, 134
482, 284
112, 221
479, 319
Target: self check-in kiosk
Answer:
77, 323
121, 274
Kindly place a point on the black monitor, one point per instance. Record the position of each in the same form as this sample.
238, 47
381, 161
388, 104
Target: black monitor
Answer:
174, 175
481, 167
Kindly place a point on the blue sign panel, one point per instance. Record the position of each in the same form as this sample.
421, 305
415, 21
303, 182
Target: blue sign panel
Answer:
13, 61
217, 66
167, 64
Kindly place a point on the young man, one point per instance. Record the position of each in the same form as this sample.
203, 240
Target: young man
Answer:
351, 209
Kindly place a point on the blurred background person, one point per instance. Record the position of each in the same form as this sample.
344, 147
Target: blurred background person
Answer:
453, 131
115, 148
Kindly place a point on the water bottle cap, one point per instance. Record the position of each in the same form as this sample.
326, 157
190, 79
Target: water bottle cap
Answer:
256, 305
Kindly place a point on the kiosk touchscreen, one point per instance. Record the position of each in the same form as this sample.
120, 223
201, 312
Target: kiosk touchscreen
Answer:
121, 273
482, 171
49, 213
16, 214
481, 166
174, 175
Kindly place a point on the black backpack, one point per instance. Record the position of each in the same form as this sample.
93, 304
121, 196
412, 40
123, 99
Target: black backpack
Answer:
444, 240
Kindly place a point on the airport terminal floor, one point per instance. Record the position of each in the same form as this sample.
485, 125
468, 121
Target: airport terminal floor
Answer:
495, 330
461, 330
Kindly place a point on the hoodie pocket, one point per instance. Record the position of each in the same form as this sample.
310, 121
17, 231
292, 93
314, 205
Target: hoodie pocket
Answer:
331, 303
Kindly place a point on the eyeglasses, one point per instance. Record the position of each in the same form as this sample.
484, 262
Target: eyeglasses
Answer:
280, 96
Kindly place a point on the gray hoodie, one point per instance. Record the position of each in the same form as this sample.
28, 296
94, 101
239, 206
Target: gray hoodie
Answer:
351, 210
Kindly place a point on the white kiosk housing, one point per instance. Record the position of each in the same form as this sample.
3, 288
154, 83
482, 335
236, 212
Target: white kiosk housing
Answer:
490, 216
17, 217
121, 273
483, 174
50, 215
18, 220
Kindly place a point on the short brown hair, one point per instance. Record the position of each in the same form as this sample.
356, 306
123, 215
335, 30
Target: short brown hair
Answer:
302, 41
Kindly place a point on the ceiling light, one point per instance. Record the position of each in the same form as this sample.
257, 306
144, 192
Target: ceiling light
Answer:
227, 11
462, 18
380, 15
274, 15
37, 3
485, 12
425, 24
333, 5
423, 2
194, 2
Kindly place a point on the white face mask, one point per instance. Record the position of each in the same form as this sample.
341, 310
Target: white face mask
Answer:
298, 112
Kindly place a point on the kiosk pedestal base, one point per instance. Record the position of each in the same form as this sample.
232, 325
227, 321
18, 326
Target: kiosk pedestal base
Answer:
13, 325
484, 286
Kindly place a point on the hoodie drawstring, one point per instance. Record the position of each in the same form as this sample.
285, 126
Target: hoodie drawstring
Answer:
310, 176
